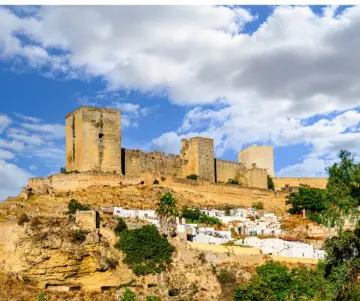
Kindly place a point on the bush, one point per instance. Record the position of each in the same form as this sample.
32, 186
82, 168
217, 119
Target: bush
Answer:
225, 277
74, 206
196, 217
156, 182
22, 219
258, 205
163, 178
271, 185
192, 177
78, 236
174, 292
112, 262
121, 226
146, 251
233, 182
315, 217
128, 295
42, 297
63, 170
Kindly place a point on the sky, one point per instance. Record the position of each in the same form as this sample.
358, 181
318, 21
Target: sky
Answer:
286, 76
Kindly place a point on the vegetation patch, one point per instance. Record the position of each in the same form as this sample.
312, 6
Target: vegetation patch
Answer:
120, 226
22, 219
232, 182
146, 251
74, 206
258, 205
192, 177
194, 216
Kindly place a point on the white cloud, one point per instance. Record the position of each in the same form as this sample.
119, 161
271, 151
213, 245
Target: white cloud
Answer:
4, 122
28, 118
33, 167
12, 178
57, 130
297, 65
4, 154
12, 144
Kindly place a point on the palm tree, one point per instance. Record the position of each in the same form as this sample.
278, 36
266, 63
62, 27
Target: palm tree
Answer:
167, 213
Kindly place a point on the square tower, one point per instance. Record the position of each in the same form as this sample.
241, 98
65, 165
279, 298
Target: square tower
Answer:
198, 154
261, 156
93, 140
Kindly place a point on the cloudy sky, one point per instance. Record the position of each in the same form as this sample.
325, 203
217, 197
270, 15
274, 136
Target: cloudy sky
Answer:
266, 75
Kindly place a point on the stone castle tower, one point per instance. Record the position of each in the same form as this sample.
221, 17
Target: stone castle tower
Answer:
198, 155
262, 156
93, 140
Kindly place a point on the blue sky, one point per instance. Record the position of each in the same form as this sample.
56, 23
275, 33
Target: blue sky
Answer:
281, 76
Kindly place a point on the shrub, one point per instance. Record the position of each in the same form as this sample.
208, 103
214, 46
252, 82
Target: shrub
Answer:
42, 297
156, 182
112, 262
258, 205
121, 226
192, 177
63, 170
35, 221
74, 206
315, 217
174, 292
233, 182
146, 251
196, 217
22, 219
271, 185
163, 178
128, 295
225, 277
78, 236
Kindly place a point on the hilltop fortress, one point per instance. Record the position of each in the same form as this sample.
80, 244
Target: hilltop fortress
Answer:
94, 157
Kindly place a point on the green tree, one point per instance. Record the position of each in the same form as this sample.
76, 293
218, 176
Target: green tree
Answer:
128, 295
146, 251
167, 213
120, 226
270, 182
258, 205
74, 206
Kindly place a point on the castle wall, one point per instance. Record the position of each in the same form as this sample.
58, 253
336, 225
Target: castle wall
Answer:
138, 162
257, 177
262, 156
226, 170
74, 181
93, 140
189, 154
206, 158
281, 182
198, 156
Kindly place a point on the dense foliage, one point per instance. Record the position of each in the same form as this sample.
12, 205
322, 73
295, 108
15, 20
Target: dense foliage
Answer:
192, 177
341, 196
194, 216
273, 281
270, 183
167, 205
146, 251
337, 277
258, 205
233, 182
74, 206
120, 226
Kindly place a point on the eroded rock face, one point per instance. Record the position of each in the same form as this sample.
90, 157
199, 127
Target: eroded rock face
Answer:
51, 252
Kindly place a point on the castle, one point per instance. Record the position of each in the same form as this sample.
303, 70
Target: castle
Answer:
93, 144
94, 157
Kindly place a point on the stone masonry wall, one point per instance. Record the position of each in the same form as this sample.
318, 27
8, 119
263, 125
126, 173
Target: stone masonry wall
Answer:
137, 162
74, 181
93, 140
226, 170
189, 155
263, 156
280, 182
257, 177
206, 158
